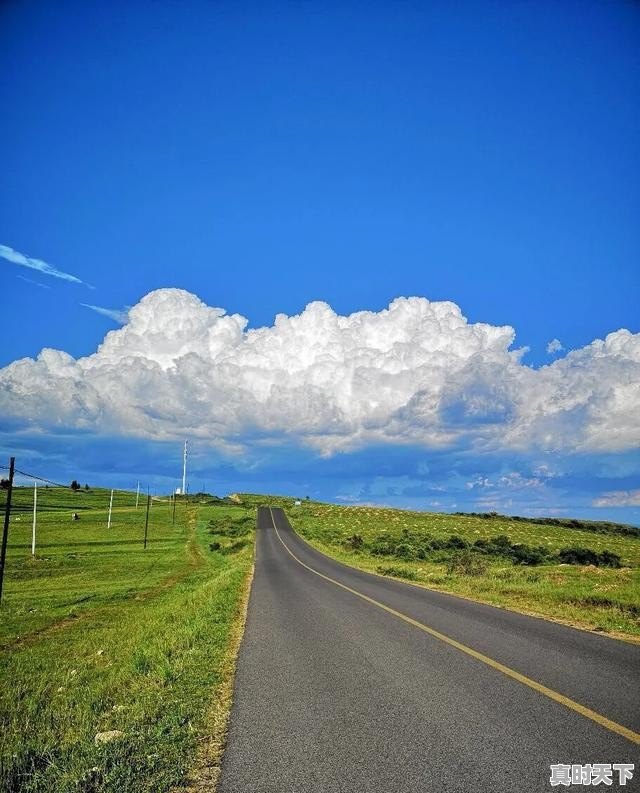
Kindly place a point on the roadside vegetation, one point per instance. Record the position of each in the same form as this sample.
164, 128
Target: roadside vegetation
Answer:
584, 573
112, 656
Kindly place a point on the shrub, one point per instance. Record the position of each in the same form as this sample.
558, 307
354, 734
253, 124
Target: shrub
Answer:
455, 542
355, 542
609, 559
578, 555
423, 551
397, 572
381, 547
233, 548
525, 554
405, 551
519, 553
466, 562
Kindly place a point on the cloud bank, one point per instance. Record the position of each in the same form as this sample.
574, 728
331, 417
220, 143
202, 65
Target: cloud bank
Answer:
41, 266
619, 498
415, 373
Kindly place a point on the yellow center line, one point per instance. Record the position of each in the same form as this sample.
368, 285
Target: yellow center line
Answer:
598, 718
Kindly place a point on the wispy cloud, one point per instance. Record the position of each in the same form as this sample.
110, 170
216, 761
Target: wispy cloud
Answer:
554, 346
619, 498
35, 283
41, 266
119, 315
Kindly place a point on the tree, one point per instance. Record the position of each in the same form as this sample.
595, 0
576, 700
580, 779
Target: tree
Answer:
4, 484
86, 487
75, 485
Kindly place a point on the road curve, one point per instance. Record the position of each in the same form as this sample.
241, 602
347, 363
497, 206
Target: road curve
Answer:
338, 688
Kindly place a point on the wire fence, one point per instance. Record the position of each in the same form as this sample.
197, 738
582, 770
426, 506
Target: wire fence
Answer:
25, 495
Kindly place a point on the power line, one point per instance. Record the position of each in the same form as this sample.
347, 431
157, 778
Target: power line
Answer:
55, 484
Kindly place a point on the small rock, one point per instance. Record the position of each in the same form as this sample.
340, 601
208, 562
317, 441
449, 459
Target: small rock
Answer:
100, 652
108, 736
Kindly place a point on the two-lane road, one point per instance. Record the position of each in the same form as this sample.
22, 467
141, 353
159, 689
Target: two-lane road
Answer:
352, 682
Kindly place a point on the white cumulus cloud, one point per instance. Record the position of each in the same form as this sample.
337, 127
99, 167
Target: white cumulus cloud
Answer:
554, 346
415, 373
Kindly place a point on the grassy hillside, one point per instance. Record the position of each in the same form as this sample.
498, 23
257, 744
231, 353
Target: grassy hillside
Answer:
526, 569
98, 634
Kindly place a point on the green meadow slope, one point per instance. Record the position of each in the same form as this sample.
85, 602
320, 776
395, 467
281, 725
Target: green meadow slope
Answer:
101, 636
581, 573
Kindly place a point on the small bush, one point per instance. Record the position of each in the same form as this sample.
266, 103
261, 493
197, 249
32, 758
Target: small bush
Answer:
381, 546
609, 559
233, 548
355, 542
457, 543
405, 551
578, 555
466, 562
525, 554
423, 551
519, 553
397, 572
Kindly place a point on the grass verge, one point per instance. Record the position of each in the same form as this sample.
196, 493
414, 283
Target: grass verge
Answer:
100, 636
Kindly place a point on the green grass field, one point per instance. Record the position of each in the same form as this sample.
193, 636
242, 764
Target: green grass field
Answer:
587, 596
99, 634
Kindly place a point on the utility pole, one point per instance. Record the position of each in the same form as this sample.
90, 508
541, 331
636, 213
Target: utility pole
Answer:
33, 532
184, 469
146, 522
7, 513
110, 506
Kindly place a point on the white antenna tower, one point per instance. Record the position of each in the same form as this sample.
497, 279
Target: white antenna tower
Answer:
184, 469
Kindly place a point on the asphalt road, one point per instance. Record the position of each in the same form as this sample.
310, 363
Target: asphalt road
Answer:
334, 692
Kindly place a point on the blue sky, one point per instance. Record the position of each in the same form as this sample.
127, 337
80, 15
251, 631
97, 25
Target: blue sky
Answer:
263, 156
